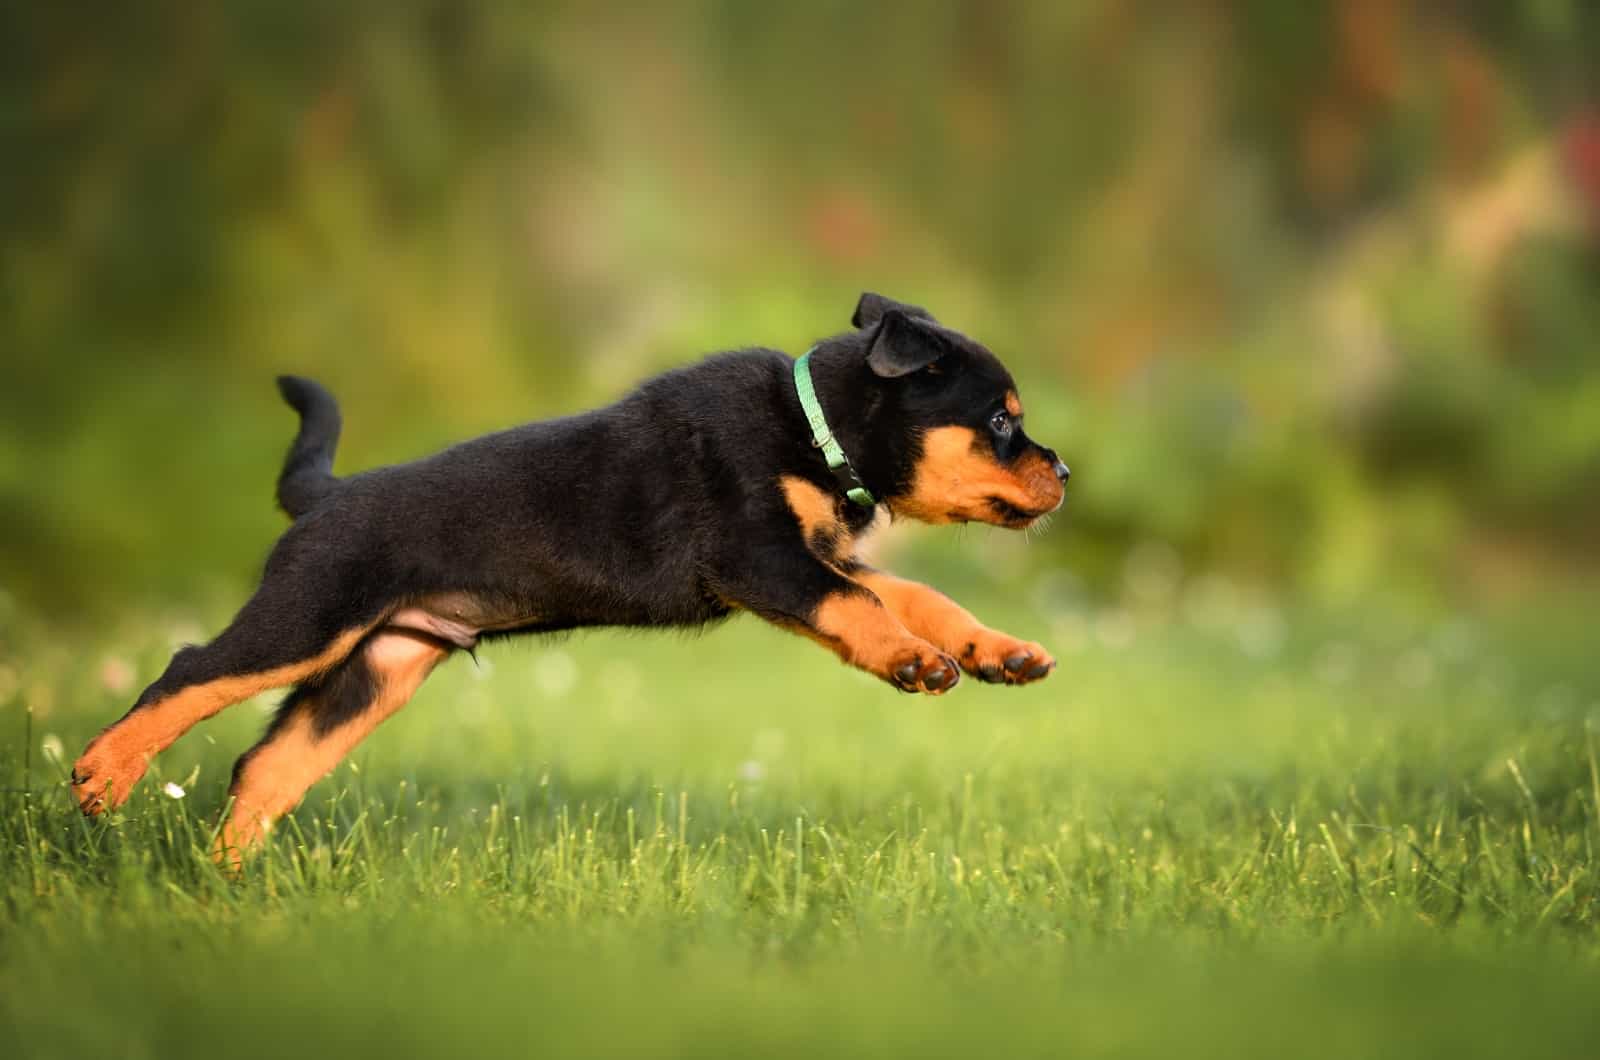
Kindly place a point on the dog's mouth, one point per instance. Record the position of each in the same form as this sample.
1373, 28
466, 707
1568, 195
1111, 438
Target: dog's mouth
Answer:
1015, 517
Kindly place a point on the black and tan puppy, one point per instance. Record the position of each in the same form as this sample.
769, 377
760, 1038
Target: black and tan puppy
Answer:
707, 490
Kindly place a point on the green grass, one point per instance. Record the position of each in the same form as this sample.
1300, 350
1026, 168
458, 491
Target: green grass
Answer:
1213, 832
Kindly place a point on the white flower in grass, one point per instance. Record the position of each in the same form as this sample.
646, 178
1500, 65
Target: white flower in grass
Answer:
174, 791
51, 746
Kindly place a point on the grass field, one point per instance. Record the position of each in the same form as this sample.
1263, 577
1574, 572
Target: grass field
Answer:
1217, 830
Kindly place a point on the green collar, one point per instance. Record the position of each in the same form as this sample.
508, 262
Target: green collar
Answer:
823, 439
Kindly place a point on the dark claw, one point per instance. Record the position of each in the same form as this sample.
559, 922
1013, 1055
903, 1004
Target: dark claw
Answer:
907, 674
936, 679
1037, 670
955, 672
989, 672
1014, 663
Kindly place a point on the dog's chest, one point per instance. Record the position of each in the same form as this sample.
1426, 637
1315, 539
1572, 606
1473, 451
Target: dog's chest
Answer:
828, 534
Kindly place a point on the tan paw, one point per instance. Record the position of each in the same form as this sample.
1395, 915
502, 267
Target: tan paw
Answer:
102, 778
920, 667
1000, 659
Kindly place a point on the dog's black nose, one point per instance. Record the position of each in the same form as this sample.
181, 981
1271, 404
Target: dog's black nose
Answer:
1062, 471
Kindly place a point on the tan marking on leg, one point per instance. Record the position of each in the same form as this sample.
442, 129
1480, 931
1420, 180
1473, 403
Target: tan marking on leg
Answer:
817, 512
115, 760
279, 770
862, 632
957, 476
925, 612
981, 651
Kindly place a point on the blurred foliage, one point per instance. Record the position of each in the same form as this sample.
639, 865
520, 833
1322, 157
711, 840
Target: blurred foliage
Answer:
1304, 292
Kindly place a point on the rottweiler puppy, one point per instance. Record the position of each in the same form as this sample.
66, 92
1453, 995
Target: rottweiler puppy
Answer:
739, 483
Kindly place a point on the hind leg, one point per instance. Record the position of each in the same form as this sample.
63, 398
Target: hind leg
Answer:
272, 642
318, 725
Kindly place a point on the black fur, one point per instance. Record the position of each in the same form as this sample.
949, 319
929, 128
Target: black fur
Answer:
308, 469
667, 508
331, 699
338, 695
659, 510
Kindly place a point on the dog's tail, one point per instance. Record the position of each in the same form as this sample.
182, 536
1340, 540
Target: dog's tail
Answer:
308, 469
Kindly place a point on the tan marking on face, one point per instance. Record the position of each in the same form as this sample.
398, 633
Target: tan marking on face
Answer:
1013, 403
279, 770
957, 477
817, 513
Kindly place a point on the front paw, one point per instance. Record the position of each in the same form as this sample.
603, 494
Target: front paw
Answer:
920, 667
1002, 660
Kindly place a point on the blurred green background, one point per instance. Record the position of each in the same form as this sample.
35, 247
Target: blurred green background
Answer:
1305, 293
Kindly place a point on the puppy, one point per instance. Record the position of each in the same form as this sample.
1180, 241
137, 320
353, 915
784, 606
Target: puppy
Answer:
739, 483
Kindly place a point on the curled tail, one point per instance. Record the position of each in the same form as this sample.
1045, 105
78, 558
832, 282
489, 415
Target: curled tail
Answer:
308, 469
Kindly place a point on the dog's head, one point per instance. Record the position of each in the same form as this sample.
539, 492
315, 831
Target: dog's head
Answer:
949, 413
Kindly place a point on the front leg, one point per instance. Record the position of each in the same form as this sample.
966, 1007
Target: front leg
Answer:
791, 588
985, 653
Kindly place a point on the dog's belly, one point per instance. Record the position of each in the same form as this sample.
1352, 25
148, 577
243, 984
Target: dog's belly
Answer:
460, 618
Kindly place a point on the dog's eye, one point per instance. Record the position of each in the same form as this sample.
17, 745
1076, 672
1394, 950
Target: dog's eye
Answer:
1001, 423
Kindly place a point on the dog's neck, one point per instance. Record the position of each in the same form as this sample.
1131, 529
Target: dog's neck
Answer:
852, 399
822, 437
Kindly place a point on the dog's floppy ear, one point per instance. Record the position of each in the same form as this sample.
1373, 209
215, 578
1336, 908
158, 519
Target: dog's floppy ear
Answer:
872, 307
904, 344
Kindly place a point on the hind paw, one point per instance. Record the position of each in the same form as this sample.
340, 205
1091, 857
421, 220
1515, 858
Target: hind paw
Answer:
102, 778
